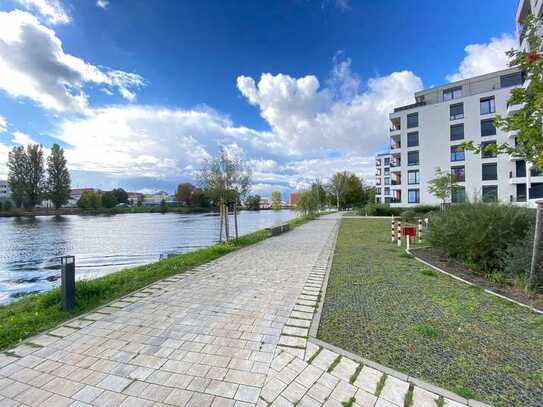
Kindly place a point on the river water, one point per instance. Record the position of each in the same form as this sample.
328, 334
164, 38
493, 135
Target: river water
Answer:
30, 247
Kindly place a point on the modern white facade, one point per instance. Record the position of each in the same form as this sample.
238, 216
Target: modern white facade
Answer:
383, 192
525, 8
426, 135
5, 192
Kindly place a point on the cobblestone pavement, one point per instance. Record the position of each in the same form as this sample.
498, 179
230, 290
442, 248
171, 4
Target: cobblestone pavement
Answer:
231, 333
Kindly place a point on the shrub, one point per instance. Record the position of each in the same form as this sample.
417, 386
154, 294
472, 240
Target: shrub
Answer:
408, 215
476, 233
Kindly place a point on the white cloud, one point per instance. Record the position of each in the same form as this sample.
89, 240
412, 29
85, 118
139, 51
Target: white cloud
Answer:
22, 138
3, 124
484, 58
4, 152
33, 65
306, 119
51, 10
102, 4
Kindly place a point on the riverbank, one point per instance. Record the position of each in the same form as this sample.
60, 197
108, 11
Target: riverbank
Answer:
13, 213
40, 312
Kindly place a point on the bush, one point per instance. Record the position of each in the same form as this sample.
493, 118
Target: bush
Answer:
476, 233
408, 215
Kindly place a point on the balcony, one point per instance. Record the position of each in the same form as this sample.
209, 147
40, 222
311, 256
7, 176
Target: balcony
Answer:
411, 106
512, 109
395, 125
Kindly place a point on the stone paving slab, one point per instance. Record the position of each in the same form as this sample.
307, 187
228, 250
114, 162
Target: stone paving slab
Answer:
206, 337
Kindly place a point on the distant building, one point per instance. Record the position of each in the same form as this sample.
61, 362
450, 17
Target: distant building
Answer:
135, 197
382, 179
293, 198
264, 203
5, 192
156, 198
75, 194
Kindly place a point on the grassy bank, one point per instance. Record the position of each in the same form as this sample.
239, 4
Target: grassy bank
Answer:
36, 313
102, 211
388, 307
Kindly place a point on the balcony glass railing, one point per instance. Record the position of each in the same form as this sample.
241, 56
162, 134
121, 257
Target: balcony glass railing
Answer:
395, 163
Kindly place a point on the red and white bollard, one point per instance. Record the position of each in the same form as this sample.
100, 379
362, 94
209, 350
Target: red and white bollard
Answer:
393, 229
420, 230
399, 234
407, 240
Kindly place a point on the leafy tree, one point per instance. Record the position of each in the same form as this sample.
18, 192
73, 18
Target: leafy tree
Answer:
18, 168
322, 196
185, 193
109, 199
89, 200
276, 200
58, 177
121, 196
337, 187
8, 205
308, 204
35, 177
252, 202
354, 192
163, 206
442, 185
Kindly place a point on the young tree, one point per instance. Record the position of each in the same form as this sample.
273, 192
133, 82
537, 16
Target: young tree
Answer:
184, 193
35, 177
318, 188
337, 187
252, 202
121, 196
164, 206
308, 204
89, 200
109, 200
58, 177
442, 185
276, 200
17, 172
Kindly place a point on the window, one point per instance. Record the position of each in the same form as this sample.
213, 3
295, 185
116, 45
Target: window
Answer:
487, 154
412, 120
521, 192
490, 193
378, 162
487, 105
457, 153
387, 171
413, 196
458, 173
378, 191
413, 177
412, 158
512, 79
458, 194
536, 191
457, 111
457, 132
387, 161
488, 128
490, 172
387, 190
387, 181
412, 139
520, 168
452, 93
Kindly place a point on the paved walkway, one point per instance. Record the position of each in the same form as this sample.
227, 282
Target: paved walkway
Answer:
230, 333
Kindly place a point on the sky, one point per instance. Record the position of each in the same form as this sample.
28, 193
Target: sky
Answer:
140, 93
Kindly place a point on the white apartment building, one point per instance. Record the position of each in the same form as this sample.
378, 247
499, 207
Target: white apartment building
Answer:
526, 8
427, 134
5, 192
382, 178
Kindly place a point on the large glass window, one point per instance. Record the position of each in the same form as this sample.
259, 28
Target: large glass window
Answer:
412, 158
536, 190
387, 171
458, 194
413, 196
387, 191
487, 154
487, 105
412, 120
457, 132
387, 181
512, 79
387, 161
520, 168
413, 177
490, 193
413, 139
458, 173
521, 192
488, 128
457, 111
457, 153
452, 93
378, 162
490, 172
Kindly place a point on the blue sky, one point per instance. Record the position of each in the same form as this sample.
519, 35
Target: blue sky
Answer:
140, 93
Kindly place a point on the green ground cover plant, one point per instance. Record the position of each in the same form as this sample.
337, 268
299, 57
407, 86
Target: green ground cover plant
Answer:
394, 310
40, 312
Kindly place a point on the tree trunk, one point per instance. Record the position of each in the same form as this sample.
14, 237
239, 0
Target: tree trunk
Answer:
534, 270
236, 219
337, 201
226, 223
220, 227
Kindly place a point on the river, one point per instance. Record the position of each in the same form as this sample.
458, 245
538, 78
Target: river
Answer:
30, 247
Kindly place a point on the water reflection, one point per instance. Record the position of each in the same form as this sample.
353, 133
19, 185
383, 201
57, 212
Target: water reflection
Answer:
30, 247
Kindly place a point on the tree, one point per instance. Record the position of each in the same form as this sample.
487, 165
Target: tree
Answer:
354, 192
337, 187
308, 204
89, 200
121, 196
109, 200
184, 194
35, 177
252, 202
442, 185
163, 206
225, 180
58, 177
276, 200
17, 171
7, 205
318, 188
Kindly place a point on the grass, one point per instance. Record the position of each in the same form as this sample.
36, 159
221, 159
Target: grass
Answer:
37, 313
398, 312
357, 371
334, 364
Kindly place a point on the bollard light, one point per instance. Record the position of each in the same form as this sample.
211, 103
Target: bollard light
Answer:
67, 285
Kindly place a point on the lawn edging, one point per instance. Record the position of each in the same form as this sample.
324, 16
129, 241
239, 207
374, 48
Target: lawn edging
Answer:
486, 290
39, 314
314, 327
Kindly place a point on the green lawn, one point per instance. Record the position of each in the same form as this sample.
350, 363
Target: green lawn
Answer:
386, 306
37, 313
